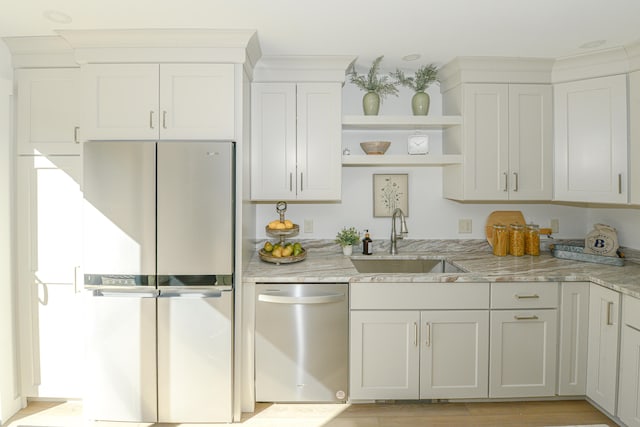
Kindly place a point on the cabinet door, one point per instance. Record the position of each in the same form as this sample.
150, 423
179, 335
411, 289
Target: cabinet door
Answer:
523, 353
602, 358
120, 101
634, 137
48, 111
629, 389
197, 101
319, 141
530, 142
454, 354
49, 240
574, 334
591, 140
384, 359
486, 145
273, 146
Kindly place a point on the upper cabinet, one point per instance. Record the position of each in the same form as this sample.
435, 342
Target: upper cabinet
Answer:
634, 137
296, 128
151, 101
296, 141
48, 111
506, 142
591, 151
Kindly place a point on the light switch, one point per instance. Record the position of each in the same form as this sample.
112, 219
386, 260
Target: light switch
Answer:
555, 225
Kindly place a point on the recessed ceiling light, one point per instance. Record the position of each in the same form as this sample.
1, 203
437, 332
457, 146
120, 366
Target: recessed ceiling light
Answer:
592, 44
411, 57
57, 16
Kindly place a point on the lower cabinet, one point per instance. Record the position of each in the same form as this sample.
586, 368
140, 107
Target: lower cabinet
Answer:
602, 360
523, 353
573, 338
629, 388
454, 354
523, 348
430, 341
427, 355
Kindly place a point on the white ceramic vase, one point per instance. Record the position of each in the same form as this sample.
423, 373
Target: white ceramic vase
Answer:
347, 250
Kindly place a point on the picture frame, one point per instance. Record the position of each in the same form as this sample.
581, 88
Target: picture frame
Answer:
390, 191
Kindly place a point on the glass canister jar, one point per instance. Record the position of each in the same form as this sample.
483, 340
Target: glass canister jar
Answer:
532, 240
500, 240
516, 239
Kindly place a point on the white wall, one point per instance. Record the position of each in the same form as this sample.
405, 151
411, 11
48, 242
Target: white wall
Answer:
430, 216
9, 391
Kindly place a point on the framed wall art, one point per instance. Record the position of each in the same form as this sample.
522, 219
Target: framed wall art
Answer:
390, 191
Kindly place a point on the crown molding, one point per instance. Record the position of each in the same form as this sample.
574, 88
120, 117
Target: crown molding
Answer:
606, 62
318, 68
40, 51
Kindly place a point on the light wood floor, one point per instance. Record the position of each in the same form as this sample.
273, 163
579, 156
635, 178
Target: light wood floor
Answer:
400, 414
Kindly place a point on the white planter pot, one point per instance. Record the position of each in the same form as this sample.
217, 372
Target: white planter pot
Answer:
347, 250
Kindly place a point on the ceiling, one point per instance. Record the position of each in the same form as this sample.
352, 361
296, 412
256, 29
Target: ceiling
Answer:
437, 30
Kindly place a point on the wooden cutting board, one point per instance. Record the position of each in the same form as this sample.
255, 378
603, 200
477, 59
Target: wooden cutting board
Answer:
502, 217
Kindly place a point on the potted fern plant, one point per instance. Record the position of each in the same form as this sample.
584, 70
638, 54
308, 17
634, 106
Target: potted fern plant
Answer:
423, 78
377, 87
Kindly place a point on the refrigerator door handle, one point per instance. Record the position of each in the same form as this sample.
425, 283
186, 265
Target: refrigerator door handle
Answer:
141, 293
288, 299
186, 293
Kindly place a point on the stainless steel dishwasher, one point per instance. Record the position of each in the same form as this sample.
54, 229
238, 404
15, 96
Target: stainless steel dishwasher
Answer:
301, 343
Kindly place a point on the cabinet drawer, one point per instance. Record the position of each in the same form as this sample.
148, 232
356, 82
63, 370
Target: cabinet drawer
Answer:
631, 311
419, 296
524, 295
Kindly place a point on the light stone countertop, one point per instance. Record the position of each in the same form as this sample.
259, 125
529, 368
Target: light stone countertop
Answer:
325, 263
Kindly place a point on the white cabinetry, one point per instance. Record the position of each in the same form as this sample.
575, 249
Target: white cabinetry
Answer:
574, 335
384, 355
296, 141
629, 388
151, 101
49, 240
602, 363
591, 140
634, 137
429, 341
523, 339
48, 111
506, 142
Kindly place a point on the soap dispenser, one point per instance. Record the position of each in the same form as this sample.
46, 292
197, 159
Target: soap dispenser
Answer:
367, 244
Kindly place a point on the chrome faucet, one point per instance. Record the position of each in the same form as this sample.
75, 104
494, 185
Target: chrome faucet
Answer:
403, 230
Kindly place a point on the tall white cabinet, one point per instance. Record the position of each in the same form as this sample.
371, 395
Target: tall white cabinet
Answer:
604, 339
591, 152
158, 101
506, 136
296, 141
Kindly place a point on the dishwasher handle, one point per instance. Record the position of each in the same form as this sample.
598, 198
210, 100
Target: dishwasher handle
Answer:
290, 299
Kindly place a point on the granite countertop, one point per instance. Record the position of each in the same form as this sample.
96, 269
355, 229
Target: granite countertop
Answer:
325, 263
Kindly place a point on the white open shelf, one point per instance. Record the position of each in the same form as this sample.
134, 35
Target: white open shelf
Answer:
402, 160
400, 122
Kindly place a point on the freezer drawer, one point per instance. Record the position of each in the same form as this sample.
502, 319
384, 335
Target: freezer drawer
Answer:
301, 342
121, 358
195, 357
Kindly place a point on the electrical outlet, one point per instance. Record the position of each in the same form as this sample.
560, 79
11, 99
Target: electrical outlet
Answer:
555, 225
308, 226
464, 226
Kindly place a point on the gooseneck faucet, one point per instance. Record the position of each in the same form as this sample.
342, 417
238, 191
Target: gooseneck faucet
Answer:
403, 230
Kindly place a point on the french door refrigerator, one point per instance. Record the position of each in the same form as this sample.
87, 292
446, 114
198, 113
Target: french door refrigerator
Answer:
158, 220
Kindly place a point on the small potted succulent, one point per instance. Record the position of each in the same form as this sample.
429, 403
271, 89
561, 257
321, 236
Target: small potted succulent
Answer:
377, 87
346, 238
423, 78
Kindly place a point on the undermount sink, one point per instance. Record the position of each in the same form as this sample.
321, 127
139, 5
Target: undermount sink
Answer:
388, 265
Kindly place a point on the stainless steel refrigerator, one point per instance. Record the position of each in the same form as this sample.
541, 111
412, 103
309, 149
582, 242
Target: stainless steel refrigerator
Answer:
158, 221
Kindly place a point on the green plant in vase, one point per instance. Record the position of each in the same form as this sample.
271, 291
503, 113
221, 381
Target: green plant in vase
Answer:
420, 82
346, 238
377, 87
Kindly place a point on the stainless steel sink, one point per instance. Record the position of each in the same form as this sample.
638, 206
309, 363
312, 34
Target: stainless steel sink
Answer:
388, 265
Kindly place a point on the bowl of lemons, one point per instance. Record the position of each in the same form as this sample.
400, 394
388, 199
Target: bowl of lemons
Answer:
282, 253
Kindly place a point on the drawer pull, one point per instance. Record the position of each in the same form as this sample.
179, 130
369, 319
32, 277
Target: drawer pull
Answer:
534, 317
527, 296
